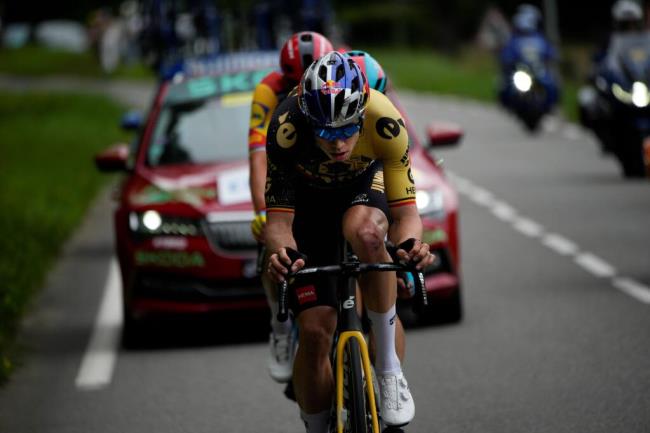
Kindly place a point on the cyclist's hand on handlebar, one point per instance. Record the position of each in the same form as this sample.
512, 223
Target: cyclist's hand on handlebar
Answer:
280, 263
416, 252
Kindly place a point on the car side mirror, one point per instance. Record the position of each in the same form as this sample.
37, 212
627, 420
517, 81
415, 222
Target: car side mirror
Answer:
131, 121
113, 159
442, 134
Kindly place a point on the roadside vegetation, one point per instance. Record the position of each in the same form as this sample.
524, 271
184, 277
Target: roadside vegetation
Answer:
37, 61
48, 182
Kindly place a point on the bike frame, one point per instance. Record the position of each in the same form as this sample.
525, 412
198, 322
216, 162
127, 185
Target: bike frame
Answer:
348, 322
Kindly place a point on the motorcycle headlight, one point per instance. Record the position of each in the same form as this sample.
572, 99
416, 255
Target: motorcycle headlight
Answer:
523, 81
152, 222
621, 94
640, 96
430, 203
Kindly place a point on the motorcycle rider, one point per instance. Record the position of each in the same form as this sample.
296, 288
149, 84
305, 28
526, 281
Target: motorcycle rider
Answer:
627, 18
297, 53
527, 44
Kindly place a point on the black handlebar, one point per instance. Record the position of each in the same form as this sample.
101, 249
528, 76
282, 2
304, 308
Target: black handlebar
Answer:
351, 269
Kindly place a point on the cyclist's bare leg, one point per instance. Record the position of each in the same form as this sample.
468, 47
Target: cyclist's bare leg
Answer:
365, 229
312, 372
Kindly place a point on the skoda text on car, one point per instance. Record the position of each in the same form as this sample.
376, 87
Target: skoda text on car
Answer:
182, 224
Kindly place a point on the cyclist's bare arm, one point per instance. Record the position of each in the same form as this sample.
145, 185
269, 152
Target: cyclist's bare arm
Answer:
278, 237
407, 224
257, 181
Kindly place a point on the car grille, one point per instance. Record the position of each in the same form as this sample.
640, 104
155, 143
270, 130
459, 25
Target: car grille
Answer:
231, 236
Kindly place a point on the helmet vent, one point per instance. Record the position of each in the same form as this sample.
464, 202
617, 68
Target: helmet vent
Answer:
354, 85
338, 103
307, 59
306, 37
322, 73
352, 108
340, 72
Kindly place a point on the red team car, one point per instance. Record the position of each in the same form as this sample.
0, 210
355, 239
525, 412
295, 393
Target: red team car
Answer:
182, 224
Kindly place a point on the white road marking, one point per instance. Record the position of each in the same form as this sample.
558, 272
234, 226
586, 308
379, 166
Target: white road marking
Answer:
551, 124
633, 288
96, 370
504, 211
595, 265
572, 132
527, 227
560, 244
481, 196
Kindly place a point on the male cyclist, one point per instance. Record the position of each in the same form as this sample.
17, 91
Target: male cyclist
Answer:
338, 164
297, 53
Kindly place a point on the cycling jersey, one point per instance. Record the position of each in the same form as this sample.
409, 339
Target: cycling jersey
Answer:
294, 156
272, 90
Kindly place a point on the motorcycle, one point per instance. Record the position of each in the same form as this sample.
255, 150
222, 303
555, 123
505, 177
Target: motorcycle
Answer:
617, 107
529, 91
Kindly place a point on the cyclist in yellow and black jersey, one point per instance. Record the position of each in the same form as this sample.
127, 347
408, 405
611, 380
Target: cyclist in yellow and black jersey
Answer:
294, 155
338, 164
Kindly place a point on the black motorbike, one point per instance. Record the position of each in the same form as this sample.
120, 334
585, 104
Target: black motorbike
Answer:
617, 108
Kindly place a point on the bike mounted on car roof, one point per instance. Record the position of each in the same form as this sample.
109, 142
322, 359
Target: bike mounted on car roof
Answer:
355, 407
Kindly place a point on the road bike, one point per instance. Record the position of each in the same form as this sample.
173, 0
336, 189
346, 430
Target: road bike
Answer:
356, 403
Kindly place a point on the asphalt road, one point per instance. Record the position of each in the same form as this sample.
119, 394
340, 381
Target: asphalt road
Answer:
556, 338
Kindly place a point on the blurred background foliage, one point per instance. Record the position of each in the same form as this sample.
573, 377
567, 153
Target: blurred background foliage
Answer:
441, 24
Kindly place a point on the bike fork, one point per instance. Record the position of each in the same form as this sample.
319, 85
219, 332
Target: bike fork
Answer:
343, 339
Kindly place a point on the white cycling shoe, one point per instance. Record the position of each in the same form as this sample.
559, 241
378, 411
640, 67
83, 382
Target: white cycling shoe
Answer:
282, 350
397, 407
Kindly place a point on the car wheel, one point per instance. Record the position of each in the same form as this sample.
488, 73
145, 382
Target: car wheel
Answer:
131, 329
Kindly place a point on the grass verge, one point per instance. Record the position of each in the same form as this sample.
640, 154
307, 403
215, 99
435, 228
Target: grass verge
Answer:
36, 61
47, 183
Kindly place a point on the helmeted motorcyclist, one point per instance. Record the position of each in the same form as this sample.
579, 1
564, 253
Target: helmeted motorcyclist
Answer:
627, 19
526, 43
530, 51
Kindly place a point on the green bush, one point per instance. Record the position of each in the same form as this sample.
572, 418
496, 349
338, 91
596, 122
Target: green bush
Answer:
47, 182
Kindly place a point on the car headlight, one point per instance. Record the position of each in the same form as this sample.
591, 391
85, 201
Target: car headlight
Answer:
152, 222
430, 203
523, 81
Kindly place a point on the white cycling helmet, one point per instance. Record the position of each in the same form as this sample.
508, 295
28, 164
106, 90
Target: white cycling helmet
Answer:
627, 10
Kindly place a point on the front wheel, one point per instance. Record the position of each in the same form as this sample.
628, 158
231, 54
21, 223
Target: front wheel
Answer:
359, 419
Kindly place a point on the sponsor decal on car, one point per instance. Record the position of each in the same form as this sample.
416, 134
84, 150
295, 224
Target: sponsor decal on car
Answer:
151, 194
434, 236
306, 294
170, 259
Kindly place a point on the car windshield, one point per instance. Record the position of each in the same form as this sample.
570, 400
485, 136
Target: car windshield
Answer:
201, 131
204, 120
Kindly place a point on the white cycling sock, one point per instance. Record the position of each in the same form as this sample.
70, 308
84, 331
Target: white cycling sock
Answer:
315, 422
281, 328
383, 326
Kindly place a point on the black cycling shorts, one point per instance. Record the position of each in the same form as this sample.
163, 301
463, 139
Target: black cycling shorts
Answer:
317, 229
